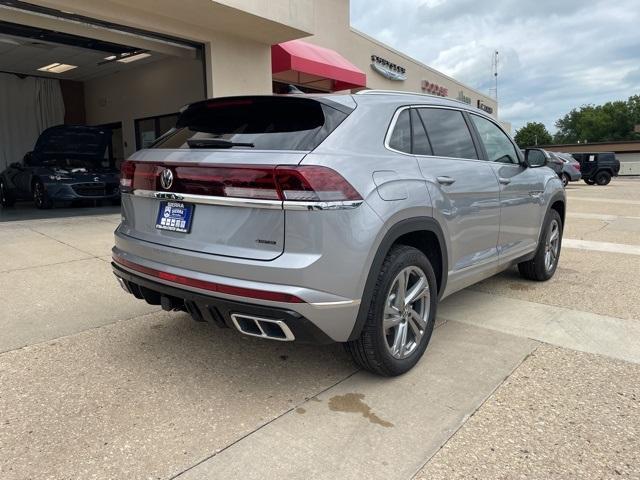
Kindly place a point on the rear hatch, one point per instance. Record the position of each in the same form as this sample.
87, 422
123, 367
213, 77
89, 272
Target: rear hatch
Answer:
215, 184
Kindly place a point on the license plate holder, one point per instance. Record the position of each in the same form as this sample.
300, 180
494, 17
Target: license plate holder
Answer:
175, 216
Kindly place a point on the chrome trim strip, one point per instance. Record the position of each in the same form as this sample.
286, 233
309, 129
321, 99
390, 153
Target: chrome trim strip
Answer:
248, 202
210, 200
341, 303
337, 205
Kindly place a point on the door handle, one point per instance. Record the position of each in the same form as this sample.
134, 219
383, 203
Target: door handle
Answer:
504, 181
445, 180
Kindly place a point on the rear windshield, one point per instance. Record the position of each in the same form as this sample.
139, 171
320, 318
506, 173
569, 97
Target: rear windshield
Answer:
261, 123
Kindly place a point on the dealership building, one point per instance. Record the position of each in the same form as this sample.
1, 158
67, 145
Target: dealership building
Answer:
129, 66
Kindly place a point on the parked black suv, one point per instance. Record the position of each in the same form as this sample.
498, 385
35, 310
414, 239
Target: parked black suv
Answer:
598, 167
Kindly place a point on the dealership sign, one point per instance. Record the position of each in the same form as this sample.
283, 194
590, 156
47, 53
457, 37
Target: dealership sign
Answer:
434, 89
486, 108
463, 98
388, 69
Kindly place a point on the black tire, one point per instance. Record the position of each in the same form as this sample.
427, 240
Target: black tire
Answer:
6, 199
371, 350
565, 179
588, 181
603, 178
40, 198
537, 268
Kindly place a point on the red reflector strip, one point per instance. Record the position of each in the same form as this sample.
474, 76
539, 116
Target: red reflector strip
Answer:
210, 286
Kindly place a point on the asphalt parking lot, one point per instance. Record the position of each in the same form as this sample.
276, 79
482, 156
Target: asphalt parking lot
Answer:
521, 380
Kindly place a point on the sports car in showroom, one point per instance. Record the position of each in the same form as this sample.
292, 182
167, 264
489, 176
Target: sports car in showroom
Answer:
67, 164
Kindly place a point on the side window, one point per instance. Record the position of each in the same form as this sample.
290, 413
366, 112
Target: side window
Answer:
448, 133
401, 137
419, 137
498, 146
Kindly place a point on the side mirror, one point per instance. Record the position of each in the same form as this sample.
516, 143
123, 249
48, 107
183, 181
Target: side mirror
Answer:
535, 157
17, 165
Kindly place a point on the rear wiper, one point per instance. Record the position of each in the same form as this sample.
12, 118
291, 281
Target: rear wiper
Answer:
216, 143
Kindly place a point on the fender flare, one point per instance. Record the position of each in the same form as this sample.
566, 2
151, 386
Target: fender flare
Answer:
409, 225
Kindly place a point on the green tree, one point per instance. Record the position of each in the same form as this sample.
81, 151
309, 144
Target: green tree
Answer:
533, 133
600, 123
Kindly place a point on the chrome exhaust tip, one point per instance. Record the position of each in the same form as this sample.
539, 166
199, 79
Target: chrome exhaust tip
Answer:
262, 327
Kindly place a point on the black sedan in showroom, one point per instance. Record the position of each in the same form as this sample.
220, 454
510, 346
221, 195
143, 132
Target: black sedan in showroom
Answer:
67, 164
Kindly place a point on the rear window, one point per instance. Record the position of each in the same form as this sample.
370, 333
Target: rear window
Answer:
261, 123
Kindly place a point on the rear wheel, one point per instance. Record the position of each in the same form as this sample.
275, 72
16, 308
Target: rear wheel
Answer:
565, 179
40, 197
6, 200
603, 178
544, 264
588, 181
401, 314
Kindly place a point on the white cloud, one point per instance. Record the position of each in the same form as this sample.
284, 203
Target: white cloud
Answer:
554, 55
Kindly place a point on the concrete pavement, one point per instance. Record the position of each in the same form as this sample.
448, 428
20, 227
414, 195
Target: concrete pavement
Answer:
562, 414
95, 384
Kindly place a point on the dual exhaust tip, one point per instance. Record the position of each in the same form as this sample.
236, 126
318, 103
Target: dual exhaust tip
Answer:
262, 327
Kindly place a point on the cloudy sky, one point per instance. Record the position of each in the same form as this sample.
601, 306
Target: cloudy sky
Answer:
554, 54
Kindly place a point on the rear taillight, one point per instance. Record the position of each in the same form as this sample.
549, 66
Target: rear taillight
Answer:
127, 171
577, 165
310, 183
303, 183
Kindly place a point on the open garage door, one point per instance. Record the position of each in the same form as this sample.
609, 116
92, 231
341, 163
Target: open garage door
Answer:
127, 91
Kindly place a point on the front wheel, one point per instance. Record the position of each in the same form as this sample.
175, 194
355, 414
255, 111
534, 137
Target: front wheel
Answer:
40, 198
543, 265
588, 181
401, 315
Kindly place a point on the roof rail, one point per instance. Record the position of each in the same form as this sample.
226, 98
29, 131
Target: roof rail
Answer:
400, 92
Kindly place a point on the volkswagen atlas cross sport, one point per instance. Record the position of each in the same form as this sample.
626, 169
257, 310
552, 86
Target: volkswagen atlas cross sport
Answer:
332, 218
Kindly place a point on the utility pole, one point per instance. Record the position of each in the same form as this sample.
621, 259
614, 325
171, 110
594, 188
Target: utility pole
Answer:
494, 65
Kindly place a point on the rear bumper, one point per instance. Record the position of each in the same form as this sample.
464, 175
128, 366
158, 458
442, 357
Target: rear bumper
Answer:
332, 315
214, 309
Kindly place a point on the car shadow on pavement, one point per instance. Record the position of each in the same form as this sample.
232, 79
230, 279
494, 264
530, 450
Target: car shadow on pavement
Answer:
176, 346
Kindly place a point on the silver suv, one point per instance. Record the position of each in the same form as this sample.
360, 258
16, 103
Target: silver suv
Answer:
332, 218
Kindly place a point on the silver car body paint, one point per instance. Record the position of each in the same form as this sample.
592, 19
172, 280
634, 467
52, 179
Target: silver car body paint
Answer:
325, 256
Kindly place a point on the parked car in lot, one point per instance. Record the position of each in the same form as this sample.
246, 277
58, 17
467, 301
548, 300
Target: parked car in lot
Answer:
67, 164
332, 218
598, 167
570, 168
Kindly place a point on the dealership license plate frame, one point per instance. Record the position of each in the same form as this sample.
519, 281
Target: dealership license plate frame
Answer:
175, 216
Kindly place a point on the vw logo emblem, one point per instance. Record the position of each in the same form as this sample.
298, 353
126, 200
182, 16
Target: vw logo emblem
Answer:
166, 179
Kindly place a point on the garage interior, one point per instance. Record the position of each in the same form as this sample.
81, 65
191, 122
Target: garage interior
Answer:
49, 77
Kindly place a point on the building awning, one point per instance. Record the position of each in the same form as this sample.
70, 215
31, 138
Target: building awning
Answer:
311, 64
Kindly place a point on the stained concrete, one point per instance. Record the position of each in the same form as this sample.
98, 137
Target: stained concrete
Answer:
376, 428
147, 398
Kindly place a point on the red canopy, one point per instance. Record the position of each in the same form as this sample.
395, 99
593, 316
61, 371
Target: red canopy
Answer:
320, 62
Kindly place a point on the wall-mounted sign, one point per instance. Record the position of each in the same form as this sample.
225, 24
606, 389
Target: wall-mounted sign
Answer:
388, 69
434, 89
463, 98
484, 107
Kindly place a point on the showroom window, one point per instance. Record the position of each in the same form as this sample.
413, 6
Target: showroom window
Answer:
150, 128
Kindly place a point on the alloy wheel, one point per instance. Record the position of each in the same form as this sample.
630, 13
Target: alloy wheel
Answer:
38, 195
406, 312
552, 246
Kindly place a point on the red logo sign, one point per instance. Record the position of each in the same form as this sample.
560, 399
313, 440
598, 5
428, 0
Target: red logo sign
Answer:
434, 89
